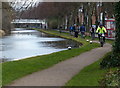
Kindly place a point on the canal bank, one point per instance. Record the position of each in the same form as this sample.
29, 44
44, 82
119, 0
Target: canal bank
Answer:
67, 35
27, 66
63, 35
61, 73
24, 43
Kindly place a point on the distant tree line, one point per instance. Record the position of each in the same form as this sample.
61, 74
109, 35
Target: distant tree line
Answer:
69, 13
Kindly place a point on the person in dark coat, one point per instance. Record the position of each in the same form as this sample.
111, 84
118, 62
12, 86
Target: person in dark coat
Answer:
76, 31
92, 31
60, 28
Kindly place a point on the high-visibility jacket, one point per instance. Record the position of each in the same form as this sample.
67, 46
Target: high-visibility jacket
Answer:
101, 30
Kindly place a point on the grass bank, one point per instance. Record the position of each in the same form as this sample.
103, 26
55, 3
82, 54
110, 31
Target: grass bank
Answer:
90, 75
16, 69
107, 40
67, 35
63, 35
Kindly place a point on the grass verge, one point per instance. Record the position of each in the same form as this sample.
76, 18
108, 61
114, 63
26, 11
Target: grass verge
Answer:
57, 33
16, 69
90, 75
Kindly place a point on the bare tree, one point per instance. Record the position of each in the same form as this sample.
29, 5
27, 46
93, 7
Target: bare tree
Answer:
7, 16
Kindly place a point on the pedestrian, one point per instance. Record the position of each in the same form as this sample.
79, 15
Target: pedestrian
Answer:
76, 31
60, 28
92, 31
82, 30
71, 29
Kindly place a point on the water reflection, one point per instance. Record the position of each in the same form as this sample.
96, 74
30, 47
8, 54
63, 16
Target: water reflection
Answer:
28, 43
62, 44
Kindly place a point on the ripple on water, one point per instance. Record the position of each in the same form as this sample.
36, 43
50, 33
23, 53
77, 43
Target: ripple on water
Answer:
28, 43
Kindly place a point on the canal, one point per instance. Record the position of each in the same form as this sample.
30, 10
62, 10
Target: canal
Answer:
27, 43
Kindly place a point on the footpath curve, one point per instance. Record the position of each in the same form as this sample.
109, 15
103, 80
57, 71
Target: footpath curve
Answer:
62, 72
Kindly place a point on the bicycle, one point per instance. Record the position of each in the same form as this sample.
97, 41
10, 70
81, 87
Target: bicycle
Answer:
102, 41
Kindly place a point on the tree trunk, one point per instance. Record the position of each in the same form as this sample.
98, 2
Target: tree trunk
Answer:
103, 16
96, 15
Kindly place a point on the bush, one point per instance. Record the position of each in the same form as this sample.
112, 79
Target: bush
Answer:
53, 24
112, 78
111, 60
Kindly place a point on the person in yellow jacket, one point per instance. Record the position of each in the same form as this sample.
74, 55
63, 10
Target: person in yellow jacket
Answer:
101, 30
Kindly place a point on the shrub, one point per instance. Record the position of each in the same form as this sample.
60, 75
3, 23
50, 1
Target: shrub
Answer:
53, 24
111, 78
111, 60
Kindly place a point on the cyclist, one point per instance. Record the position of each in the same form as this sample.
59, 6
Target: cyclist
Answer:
101, 30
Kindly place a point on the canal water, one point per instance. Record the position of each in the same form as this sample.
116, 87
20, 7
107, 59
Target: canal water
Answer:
27, 43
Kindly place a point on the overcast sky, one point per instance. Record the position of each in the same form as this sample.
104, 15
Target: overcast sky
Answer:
62, 0
21, 5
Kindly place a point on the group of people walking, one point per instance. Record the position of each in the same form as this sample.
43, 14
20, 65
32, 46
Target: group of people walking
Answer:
76, 30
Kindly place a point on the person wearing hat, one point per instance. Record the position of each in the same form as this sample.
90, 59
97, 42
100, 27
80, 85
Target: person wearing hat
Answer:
101, 30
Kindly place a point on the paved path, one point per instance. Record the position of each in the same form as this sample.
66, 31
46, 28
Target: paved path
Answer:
60, 73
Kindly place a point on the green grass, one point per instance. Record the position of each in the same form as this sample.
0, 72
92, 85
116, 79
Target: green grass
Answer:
107, 40
90, 75
68, 34
0, 75
64, 35
16, 69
